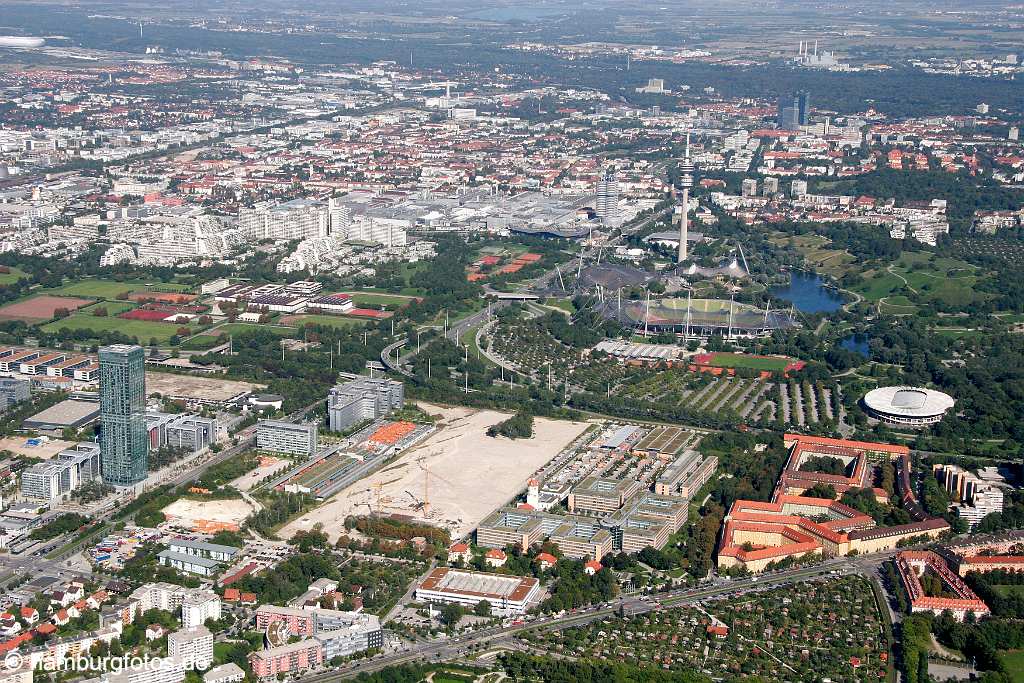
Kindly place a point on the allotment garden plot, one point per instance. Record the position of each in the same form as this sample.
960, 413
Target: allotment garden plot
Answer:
828, 630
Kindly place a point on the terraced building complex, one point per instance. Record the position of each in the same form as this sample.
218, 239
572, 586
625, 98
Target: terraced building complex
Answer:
913, 564
757, 534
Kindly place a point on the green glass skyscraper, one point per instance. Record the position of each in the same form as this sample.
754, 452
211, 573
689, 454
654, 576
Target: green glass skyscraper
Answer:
124, 442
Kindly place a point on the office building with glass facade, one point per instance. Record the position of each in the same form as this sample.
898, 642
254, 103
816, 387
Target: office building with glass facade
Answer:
124, 441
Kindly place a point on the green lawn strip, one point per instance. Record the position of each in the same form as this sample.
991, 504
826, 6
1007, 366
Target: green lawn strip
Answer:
113, 307
327, 320
1013, 660
236, 328
143, 330
469, 339
13, 276
109, 289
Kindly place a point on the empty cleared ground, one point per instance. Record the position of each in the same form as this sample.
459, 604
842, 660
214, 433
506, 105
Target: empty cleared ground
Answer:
470, 473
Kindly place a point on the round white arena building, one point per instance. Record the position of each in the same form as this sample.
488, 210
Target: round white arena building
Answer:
912, 406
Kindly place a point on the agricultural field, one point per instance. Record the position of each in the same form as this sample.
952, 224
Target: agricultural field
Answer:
831, 630
40, 308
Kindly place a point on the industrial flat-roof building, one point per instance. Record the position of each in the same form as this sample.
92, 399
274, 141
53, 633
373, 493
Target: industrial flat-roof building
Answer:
210, 551
68, 413
190, 564
507, 594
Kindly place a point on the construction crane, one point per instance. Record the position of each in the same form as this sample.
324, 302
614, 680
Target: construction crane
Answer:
377, 488
425, 504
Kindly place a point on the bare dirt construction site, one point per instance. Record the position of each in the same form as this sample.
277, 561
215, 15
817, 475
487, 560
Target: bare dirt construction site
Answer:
44, 450
207, 515
465, 473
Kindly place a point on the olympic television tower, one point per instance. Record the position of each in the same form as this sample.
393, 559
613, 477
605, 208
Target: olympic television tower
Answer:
686, 170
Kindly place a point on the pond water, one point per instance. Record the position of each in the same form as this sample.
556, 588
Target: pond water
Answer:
808, 293
858, 343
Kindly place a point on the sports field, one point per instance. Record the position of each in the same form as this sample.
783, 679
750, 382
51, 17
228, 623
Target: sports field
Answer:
40, 308
113, 307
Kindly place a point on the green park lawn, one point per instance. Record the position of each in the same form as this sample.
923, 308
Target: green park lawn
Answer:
898, 305
113, 307
13, 276
236, 328
878, 284
392, 301
326, 320
109, 289
739, 360
1013, 660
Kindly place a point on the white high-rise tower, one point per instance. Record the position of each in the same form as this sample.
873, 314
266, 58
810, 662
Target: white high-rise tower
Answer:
686, 169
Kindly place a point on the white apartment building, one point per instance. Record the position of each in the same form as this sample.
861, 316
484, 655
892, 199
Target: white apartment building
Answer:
298, 219
195, 604
286, 437
192, 646
198, 606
